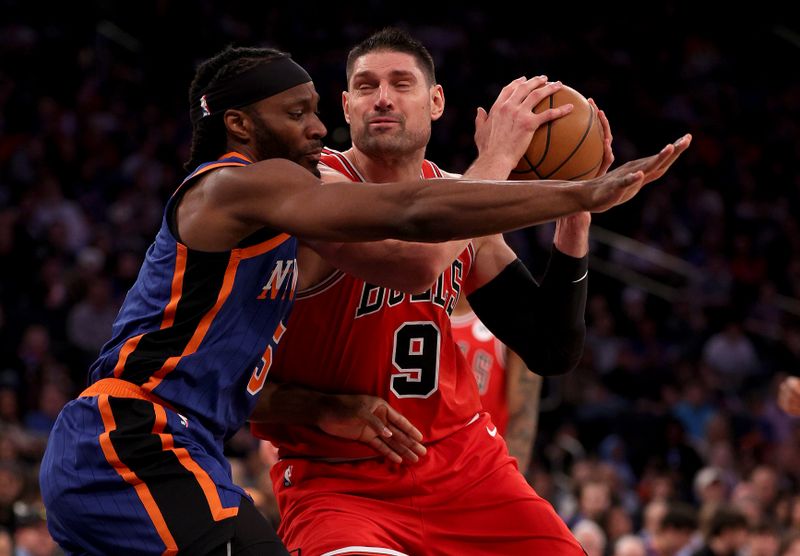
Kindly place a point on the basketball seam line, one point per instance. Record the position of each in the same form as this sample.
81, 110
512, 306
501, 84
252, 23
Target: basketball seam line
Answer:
578, 146
547, 140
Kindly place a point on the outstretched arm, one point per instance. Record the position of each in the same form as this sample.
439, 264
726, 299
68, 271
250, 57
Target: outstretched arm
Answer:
284, 196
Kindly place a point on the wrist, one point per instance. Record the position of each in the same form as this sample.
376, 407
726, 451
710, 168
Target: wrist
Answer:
572, 234
565, 268
322, 409
490, 167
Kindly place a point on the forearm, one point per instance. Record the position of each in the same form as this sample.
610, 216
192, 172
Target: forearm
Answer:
434, 211
288, 405
564, 289
544, 325
405, 266
477, 208
523, 416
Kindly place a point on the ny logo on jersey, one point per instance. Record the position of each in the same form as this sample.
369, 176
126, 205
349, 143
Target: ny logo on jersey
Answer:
444, 293
282, 281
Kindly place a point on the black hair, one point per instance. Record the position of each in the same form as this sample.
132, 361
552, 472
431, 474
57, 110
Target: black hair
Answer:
392, 39
209, 137
679, 516
725, 519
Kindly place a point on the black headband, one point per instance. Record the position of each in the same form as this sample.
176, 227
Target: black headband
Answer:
262, 81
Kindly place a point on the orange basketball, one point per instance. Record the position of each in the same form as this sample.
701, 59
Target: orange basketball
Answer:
568, 148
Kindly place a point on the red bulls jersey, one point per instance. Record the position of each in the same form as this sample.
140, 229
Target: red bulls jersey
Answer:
346, 336
486, 356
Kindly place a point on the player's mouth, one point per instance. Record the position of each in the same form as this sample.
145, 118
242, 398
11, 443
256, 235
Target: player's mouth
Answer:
383, 122
314, 155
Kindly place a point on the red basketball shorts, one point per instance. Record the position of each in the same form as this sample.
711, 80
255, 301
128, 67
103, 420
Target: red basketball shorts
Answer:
464, 497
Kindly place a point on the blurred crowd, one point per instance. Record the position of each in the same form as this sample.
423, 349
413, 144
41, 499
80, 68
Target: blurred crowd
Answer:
666, 439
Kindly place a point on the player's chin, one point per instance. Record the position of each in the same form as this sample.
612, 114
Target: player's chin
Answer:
311, 165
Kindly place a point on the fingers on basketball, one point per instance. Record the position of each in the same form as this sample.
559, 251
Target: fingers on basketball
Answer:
566, 148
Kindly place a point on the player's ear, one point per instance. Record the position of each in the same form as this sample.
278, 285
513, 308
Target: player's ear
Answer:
437, 102
238, 124
346, 106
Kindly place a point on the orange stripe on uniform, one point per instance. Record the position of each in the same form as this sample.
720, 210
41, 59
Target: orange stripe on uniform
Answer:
169, 311
218, 512
131, 478
233, 154
126, 350
261, 248
202, 328
177, 287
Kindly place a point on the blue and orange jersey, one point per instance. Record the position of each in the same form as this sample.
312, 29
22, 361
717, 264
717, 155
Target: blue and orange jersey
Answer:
197, 329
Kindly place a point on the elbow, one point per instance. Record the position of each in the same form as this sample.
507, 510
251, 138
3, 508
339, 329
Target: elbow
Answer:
424, 274
554, 364
419, 275
555, 356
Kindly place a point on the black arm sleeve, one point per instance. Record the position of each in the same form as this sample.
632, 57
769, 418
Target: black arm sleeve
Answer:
543, 324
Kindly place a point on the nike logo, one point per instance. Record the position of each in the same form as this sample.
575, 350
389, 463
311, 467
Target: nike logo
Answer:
492, 431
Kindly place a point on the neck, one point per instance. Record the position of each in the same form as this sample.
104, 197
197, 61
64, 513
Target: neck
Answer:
242, 149
387, 168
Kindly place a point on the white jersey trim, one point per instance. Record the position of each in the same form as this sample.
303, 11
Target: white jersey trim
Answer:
463, 320
364, 550
333, 278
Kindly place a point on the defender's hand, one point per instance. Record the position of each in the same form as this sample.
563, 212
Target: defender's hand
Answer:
623, 183
371, 420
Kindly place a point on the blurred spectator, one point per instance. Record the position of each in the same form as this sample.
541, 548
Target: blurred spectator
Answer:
30, 535
726, 534
594, 500
629, 545
763, 540
732, 355
89, 322
790, 544
591, 537
710, 487
6, 544
674, 531
52, 398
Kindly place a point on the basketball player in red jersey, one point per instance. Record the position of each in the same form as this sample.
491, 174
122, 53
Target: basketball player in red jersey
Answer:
346, 336
509, 392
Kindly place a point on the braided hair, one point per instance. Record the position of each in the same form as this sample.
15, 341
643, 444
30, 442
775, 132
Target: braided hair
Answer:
209, 137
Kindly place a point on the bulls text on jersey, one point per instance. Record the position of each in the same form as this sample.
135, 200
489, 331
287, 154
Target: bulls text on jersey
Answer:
444, 293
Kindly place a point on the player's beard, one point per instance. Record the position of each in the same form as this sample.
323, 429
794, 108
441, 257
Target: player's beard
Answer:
268, 144
394, 143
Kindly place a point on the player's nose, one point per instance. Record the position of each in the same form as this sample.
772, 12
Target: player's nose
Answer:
317, 129
384, 99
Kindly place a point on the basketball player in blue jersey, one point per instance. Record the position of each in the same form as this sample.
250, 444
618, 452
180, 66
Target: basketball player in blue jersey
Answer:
134, 465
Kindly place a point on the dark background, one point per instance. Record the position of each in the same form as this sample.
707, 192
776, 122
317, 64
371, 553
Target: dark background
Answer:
94, 130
